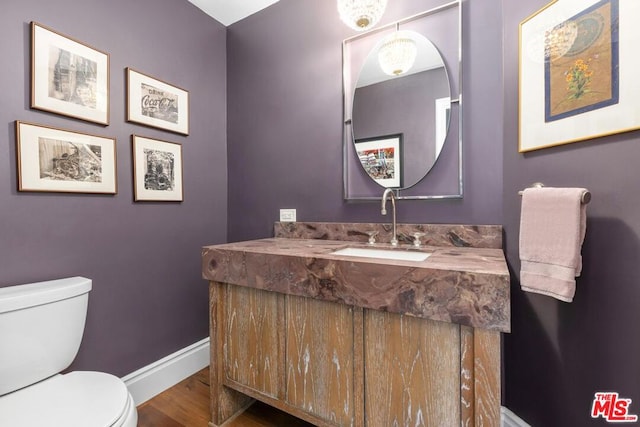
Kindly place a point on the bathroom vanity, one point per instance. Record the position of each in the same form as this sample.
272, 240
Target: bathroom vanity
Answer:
342, 340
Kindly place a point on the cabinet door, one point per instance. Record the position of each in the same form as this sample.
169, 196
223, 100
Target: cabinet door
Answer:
320, 359
412, 371
253, 347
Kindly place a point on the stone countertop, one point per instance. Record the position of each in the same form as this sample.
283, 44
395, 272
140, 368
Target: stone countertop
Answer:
463, 285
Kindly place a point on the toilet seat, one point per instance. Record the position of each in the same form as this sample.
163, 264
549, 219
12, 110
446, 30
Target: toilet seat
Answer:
76, 399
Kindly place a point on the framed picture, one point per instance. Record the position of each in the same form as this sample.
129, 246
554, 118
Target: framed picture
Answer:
578, 66
381, 158
68, 77
157, 170
56, 160
155, 103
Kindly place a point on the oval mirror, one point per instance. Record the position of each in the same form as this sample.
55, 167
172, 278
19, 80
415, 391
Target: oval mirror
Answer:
400, 120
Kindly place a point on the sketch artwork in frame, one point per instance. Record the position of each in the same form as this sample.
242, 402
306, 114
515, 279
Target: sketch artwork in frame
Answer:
157, 170
56, 160
578, 69
381, 158
155, 103
68, 77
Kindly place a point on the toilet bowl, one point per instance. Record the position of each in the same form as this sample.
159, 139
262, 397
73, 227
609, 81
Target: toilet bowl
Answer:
76, 399
41, 326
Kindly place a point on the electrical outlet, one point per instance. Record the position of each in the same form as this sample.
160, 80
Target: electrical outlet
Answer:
287, 215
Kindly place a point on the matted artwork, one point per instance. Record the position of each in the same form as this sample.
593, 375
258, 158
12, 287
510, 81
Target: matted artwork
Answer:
157, 170
577, 72
56, 160
68, 77
155, 103
381, 158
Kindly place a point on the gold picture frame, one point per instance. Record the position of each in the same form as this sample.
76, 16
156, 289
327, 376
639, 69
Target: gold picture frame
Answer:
68, 77
155, 103
56, 160
157, 170
577, 71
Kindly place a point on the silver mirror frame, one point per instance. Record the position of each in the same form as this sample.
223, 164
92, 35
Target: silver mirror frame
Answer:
347, 110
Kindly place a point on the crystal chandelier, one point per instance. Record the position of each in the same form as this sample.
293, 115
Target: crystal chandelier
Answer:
397, 54
361, 14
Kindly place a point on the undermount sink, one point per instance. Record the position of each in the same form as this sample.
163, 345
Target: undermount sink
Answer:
396, 254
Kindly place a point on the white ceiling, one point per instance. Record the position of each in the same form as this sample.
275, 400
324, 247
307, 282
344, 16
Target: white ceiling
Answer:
229, 11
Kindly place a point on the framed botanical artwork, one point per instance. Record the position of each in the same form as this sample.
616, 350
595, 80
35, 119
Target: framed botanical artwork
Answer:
56, 160
578, 72
68, 77
157, 170
155, 103
381, 158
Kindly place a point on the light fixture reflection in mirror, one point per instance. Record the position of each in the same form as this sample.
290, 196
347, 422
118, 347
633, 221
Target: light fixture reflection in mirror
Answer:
397, 54
361, 15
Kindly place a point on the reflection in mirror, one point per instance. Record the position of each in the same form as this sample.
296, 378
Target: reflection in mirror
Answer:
400, 121
381, 158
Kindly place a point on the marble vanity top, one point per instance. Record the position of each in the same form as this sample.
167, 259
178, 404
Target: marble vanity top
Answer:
464, 285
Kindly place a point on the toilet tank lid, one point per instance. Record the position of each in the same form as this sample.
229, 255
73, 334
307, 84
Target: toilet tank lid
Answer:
23, 296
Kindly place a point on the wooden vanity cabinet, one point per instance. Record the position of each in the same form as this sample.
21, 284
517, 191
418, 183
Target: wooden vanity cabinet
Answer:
337, 365
252, 340
293, 353
319, 359
427, 373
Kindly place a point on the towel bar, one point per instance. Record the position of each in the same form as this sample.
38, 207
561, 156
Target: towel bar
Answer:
586, 195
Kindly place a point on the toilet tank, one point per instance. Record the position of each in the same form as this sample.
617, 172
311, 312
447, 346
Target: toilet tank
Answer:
41, 327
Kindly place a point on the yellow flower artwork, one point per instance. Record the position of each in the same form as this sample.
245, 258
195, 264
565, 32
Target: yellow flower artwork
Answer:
584, 75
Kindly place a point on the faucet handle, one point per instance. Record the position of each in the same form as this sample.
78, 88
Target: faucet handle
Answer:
416, 238
372, 236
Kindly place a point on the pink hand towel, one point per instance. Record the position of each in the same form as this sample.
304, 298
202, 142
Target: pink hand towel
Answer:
552, 229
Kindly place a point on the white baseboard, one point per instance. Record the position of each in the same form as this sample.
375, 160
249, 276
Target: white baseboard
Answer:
509, 419
155, 378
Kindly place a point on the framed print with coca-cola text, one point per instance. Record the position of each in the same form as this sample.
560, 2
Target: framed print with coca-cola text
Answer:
155, 103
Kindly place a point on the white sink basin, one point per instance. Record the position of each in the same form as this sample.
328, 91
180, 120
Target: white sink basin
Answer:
397, 254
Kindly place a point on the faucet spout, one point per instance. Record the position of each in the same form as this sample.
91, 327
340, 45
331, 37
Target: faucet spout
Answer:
388, 193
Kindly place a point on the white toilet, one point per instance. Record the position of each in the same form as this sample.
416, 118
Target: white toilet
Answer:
41, 326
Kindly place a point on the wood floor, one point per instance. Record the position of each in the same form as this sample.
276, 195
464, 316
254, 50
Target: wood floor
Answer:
187, 405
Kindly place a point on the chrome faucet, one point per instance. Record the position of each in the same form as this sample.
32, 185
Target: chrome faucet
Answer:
389, 193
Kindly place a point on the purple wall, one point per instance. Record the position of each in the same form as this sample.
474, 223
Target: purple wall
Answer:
148, 297
558, 355
285, 119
